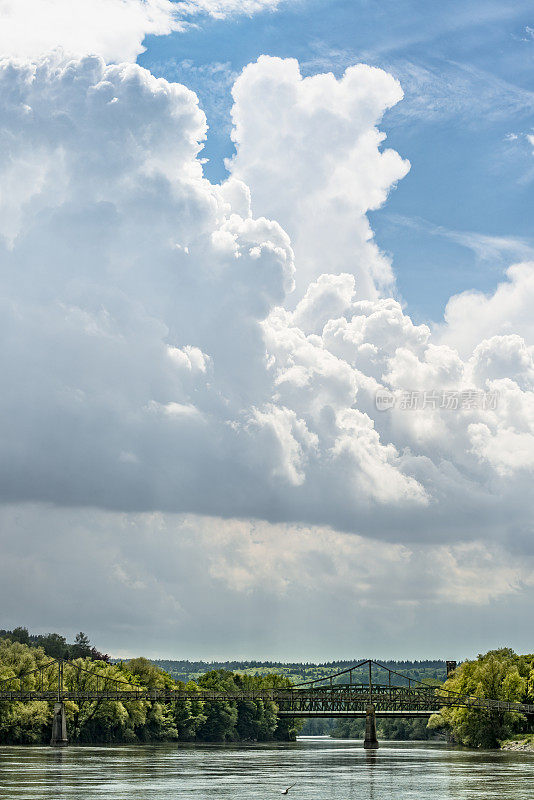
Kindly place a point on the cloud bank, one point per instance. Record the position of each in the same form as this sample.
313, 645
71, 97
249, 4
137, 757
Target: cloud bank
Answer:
198, 587
153, 355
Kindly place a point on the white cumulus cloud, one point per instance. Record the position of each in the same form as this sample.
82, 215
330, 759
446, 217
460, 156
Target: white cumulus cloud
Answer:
153, 356
114, 29
311, 153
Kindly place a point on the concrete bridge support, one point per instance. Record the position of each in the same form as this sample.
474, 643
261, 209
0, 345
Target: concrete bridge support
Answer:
370, 742
59, 726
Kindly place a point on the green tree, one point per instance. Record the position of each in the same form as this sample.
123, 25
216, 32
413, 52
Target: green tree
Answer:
404, 729
54, 645
499, 675
21, 635
189, 716
81, 647
349, 729
220, 715
23, 723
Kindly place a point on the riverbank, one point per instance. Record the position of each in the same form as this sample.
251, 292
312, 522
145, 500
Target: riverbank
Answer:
523, 744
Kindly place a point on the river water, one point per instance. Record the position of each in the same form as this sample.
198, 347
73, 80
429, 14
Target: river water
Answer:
323, 769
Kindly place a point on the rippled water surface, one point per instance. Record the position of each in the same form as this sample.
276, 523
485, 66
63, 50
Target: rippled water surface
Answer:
322, 769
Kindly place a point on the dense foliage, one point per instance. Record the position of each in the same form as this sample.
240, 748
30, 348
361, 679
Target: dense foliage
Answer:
499, 674
113, 721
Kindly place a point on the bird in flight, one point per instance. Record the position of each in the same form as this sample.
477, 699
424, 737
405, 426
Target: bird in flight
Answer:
286, 791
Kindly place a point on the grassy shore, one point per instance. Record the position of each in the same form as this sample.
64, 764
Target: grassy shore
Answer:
524, 744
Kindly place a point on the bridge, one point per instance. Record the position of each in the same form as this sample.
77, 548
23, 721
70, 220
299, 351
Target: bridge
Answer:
341, 694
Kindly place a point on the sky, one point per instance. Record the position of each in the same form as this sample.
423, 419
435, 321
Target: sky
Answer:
267, 344
466, 73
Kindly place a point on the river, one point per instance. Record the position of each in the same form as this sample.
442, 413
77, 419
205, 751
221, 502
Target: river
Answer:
323, 769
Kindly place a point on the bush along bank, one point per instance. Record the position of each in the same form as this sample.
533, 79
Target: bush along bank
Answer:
500, 675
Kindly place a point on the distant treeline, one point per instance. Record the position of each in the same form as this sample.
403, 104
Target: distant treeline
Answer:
332, 666
430, 671
402, 728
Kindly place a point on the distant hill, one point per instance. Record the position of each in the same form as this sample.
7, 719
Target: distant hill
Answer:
431, 671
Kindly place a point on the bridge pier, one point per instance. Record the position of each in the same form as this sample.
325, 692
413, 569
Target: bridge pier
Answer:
59, 726
370, 742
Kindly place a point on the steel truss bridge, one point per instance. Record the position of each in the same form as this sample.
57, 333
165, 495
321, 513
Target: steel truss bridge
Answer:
337, 695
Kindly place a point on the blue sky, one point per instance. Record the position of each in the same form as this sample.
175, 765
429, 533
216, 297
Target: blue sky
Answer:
466, 71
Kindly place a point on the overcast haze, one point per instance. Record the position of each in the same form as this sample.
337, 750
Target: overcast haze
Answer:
198, 313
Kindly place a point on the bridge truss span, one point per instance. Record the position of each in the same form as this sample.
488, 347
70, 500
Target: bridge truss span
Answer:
337, 695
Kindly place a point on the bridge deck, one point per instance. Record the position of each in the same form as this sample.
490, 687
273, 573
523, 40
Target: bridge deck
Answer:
356, 714
341, 700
